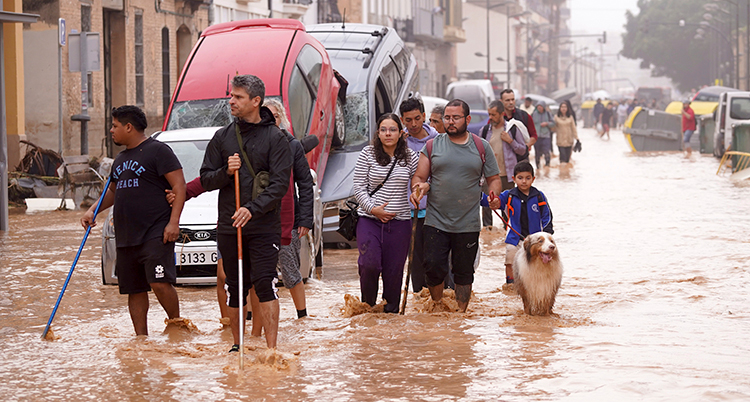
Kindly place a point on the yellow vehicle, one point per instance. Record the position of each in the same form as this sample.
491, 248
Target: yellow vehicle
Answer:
699, 107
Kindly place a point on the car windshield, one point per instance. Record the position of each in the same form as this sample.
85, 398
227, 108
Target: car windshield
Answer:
202, 113
706, 97
356, 114
740, 109
190, 154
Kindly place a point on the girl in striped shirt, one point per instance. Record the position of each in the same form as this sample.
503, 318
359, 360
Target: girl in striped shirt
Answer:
384, 229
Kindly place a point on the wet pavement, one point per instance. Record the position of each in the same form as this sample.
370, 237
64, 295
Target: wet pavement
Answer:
653, 306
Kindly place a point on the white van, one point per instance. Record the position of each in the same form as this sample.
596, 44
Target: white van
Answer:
477, 93
734, 108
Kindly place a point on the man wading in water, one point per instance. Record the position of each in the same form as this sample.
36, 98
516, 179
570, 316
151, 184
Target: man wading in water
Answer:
452, 222
146, 224
267, 149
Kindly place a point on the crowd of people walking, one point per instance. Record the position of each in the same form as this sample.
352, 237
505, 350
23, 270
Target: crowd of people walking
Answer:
419, 186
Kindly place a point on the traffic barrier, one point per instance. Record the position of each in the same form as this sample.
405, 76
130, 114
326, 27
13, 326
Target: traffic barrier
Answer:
653, 130
706, 128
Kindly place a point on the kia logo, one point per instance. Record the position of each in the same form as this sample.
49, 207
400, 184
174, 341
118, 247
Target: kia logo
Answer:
202, 235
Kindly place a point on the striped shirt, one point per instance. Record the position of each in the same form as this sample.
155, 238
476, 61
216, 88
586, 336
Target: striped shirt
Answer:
368, 173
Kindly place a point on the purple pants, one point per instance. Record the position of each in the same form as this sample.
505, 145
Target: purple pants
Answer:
383, 248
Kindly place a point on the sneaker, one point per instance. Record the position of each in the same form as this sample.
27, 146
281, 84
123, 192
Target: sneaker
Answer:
235, 348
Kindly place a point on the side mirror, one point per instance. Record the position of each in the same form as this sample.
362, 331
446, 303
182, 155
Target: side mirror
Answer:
309, 143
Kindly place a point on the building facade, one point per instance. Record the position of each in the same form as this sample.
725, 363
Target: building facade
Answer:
141, 48
143, 45
430, 28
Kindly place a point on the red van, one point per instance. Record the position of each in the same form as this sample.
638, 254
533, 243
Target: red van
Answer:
293, 65
295, 68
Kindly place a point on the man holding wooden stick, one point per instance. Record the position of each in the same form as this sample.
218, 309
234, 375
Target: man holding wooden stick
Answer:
147, 226
259, 152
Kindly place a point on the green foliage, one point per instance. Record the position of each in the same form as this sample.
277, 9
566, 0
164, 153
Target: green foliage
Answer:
655, 36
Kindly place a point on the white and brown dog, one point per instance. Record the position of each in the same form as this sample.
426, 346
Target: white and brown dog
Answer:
537, 272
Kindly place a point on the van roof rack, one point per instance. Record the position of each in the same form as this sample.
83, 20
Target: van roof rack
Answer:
369, 51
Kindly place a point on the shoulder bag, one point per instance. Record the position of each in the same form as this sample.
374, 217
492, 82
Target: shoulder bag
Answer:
348, 216
260, 180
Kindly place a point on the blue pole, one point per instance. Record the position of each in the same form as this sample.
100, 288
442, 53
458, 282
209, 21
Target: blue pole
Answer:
78, 255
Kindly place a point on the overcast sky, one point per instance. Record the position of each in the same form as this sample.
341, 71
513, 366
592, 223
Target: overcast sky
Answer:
600, 15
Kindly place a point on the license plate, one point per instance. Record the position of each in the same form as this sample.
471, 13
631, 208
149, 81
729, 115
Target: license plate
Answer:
196, 258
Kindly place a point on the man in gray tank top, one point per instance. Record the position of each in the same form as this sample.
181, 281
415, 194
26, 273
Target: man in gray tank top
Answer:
455, 163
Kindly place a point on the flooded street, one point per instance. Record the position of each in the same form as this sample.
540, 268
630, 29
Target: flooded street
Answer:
654, 305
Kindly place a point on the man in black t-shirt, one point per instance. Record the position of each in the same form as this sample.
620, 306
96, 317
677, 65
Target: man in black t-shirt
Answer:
267, 150
146, 225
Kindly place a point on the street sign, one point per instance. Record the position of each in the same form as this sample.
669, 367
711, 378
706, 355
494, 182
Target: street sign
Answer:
92, 52
61, 31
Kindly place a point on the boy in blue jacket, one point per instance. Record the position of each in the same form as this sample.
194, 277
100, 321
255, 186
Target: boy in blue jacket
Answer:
528, 212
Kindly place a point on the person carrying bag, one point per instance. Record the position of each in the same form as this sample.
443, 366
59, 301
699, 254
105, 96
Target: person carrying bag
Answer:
383, 229
262, 179
349, 216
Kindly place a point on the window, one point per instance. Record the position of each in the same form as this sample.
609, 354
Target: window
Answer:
356, 113
300, 102
391, 82
311, 63
90, 86
402, 61
740, 109
382, 101
165, 90
303, 87
200, 113
139, 90
85, 17
86, 27
240, 15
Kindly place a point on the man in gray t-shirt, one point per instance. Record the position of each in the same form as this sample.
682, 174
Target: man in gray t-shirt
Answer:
452, 223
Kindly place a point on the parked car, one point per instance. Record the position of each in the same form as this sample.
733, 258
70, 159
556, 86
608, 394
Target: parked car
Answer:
381, 72
712, 93
479, 119
430, 102
477, 93
195, 252
295, 68
733, 109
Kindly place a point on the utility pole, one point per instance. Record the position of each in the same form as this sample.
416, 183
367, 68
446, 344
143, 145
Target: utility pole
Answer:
554, 50
489, 77
507, 45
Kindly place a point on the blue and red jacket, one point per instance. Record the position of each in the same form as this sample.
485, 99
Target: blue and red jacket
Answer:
537, 210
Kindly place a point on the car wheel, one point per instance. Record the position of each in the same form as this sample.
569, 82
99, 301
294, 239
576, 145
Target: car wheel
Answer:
339, 127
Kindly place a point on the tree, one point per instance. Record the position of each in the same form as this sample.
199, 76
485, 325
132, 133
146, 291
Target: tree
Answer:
656, 37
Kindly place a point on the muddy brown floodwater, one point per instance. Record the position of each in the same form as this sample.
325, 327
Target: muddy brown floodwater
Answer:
654, 305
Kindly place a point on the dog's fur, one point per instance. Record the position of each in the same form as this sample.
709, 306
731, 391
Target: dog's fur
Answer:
537, 273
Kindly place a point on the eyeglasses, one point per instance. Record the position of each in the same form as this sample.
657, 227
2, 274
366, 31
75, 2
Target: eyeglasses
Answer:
389, 129
453, 118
